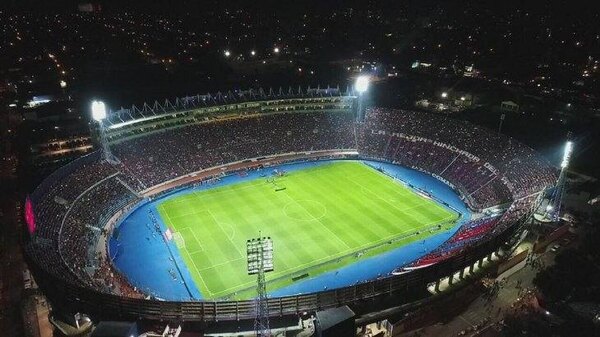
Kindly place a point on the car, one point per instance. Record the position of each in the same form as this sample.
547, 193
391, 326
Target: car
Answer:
555, 248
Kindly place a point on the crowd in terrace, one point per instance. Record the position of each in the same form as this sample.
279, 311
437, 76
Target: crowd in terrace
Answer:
89, 190
474, 229
172, 153
470, 233
84, 194
85, 220
477, 231
488, 168
51, 201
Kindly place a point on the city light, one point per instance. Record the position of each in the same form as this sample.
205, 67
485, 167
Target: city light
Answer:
362, 84
253, 53
98, 110
567, 154
444, 94
276, 50
63, 84
227, 53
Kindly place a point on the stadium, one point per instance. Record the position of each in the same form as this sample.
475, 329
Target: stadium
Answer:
365, 209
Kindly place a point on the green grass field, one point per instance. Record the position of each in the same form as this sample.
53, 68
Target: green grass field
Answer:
323, 217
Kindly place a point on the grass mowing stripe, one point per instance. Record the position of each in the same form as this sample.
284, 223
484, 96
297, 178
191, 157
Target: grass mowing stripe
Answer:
325, 212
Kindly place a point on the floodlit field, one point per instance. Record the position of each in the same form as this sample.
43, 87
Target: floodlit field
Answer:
319, 219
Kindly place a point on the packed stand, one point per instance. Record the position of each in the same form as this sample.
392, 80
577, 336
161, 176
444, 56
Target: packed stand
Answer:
51, 201
429, 143
86, 221
474, 229
168, 154
488, 167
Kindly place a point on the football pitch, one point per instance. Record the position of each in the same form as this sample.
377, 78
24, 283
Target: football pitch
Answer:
320, 218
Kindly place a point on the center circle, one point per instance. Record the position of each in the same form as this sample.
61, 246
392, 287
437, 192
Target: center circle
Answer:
304, 210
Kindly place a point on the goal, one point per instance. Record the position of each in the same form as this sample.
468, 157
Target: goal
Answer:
179, 241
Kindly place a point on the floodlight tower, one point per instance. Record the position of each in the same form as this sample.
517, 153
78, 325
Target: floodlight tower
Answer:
361, 86
554, 204
260, 262
99, 115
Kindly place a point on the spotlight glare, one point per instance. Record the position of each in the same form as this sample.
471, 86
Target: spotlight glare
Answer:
567, 154
98, 110
362, 84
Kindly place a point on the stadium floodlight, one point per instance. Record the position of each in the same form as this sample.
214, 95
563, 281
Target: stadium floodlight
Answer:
260, 261
98, 111
362, 84
260, 255
99, 115
567, 154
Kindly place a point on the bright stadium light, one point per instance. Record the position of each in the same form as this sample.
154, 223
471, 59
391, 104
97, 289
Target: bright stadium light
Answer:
362, 84
567, 154
99, 115
98, 110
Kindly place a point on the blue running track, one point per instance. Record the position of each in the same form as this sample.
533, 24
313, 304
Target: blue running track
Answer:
140, 253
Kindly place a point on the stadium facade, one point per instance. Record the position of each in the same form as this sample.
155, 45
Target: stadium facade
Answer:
167, 146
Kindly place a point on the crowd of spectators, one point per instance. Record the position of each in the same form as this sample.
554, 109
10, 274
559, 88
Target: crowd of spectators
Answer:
478, 230
172, 153
488, 169
80, 237
474, 229
82, 195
